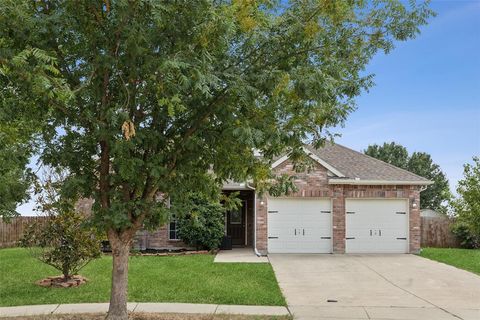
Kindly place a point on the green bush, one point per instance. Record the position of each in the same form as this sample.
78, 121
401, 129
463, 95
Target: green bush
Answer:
63, 242
464, 234
467, 206
200, 222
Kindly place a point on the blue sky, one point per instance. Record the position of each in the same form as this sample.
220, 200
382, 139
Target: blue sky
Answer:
427, 93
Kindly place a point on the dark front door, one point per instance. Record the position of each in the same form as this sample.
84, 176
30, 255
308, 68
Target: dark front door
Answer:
236, 225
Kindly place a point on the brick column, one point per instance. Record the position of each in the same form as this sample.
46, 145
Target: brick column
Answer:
338, 213
414, 219
261, 225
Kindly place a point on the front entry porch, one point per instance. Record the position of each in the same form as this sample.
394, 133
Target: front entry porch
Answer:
239, 255
239, 223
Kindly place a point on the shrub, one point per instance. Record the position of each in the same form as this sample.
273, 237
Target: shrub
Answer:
62, 242
200, 222
467, 206
463, 233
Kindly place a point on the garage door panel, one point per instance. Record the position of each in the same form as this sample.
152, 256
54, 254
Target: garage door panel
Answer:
376, 226
299, 225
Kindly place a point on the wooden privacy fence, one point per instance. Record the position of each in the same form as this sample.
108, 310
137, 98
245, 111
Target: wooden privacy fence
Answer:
436, 232
12, 232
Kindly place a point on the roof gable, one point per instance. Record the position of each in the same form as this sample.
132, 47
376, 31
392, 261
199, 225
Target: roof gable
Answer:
352, 167
329, 167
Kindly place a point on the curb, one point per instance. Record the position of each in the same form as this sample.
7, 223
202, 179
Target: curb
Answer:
135, 307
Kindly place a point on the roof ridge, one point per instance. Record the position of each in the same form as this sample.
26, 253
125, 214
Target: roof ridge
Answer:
378, 160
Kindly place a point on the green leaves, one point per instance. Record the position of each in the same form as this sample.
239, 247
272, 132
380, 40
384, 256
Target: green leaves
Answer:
206, 86
174, 105
436, 196
200, 221
392, 153
467, 205
63, 242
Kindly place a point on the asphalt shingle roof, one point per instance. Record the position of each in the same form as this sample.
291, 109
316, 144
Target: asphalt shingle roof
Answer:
354, 164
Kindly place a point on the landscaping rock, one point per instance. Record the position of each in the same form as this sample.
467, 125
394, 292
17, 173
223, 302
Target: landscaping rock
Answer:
58, 281
168, 253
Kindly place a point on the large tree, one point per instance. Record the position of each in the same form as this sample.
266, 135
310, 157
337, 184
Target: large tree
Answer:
392, 153
162, 93
436, 195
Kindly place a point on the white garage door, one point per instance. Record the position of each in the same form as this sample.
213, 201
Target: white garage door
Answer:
299, 226
376, 226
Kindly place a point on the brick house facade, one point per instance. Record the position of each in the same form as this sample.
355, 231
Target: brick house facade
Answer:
382, 182
315, 184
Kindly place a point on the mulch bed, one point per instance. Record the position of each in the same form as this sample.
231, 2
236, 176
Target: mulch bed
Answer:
169, 253
156, 252
162, 252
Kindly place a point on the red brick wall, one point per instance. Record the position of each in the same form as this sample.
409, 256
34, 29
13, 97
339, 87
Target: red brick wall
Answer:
261, 224
312, 184
157, 239
338, 218
315, 184
415, 220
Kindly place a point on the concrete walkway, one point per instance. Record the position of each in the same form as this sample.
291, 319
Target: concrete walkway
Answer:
390, 287
78, 308
245, 255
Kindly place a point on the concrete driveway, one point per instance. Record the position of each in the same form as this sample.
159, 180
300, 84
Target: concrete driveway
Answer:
399, 287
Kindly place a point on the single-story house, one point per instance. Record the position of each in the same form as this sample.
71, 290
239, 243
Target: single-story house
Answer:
348, 203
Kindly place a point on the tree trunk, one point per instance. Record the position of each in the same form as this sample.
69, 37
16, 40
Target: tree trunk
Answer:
66, 274
118, 296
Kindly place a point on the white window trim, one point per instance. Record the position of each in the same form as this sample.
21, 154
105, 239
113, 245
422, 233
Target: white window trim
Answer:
176, 231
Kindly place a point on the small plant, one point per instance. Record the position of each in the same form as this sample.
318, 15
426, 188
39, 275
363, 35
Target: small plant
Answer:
200, 221
63, 241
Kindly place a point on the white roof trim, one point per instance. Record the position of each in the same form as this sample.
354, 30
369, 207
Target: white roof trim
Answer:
323, 163
237, 186
378, 182
314, 157
279, 161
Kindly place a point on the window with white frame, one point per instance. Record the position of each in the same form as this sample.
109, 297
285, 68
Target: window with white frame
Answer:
172, 225
172, 230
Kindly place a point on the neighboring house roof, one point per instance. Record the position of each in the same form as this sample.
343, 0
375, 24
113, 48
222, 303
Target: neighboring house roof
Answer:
352, 167
431, 213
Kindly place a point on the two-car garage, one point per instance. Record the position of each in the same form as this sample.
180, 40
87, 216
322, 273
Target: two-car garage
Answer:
303, 225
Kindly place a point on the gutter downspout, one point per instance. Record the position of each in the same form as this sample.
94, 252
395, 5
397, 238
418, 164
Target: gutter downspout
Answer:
422, 188
258, 254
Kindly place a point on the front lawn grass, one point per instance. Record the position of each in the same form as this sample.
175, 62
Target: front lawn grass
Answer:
467, 259
190, 279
